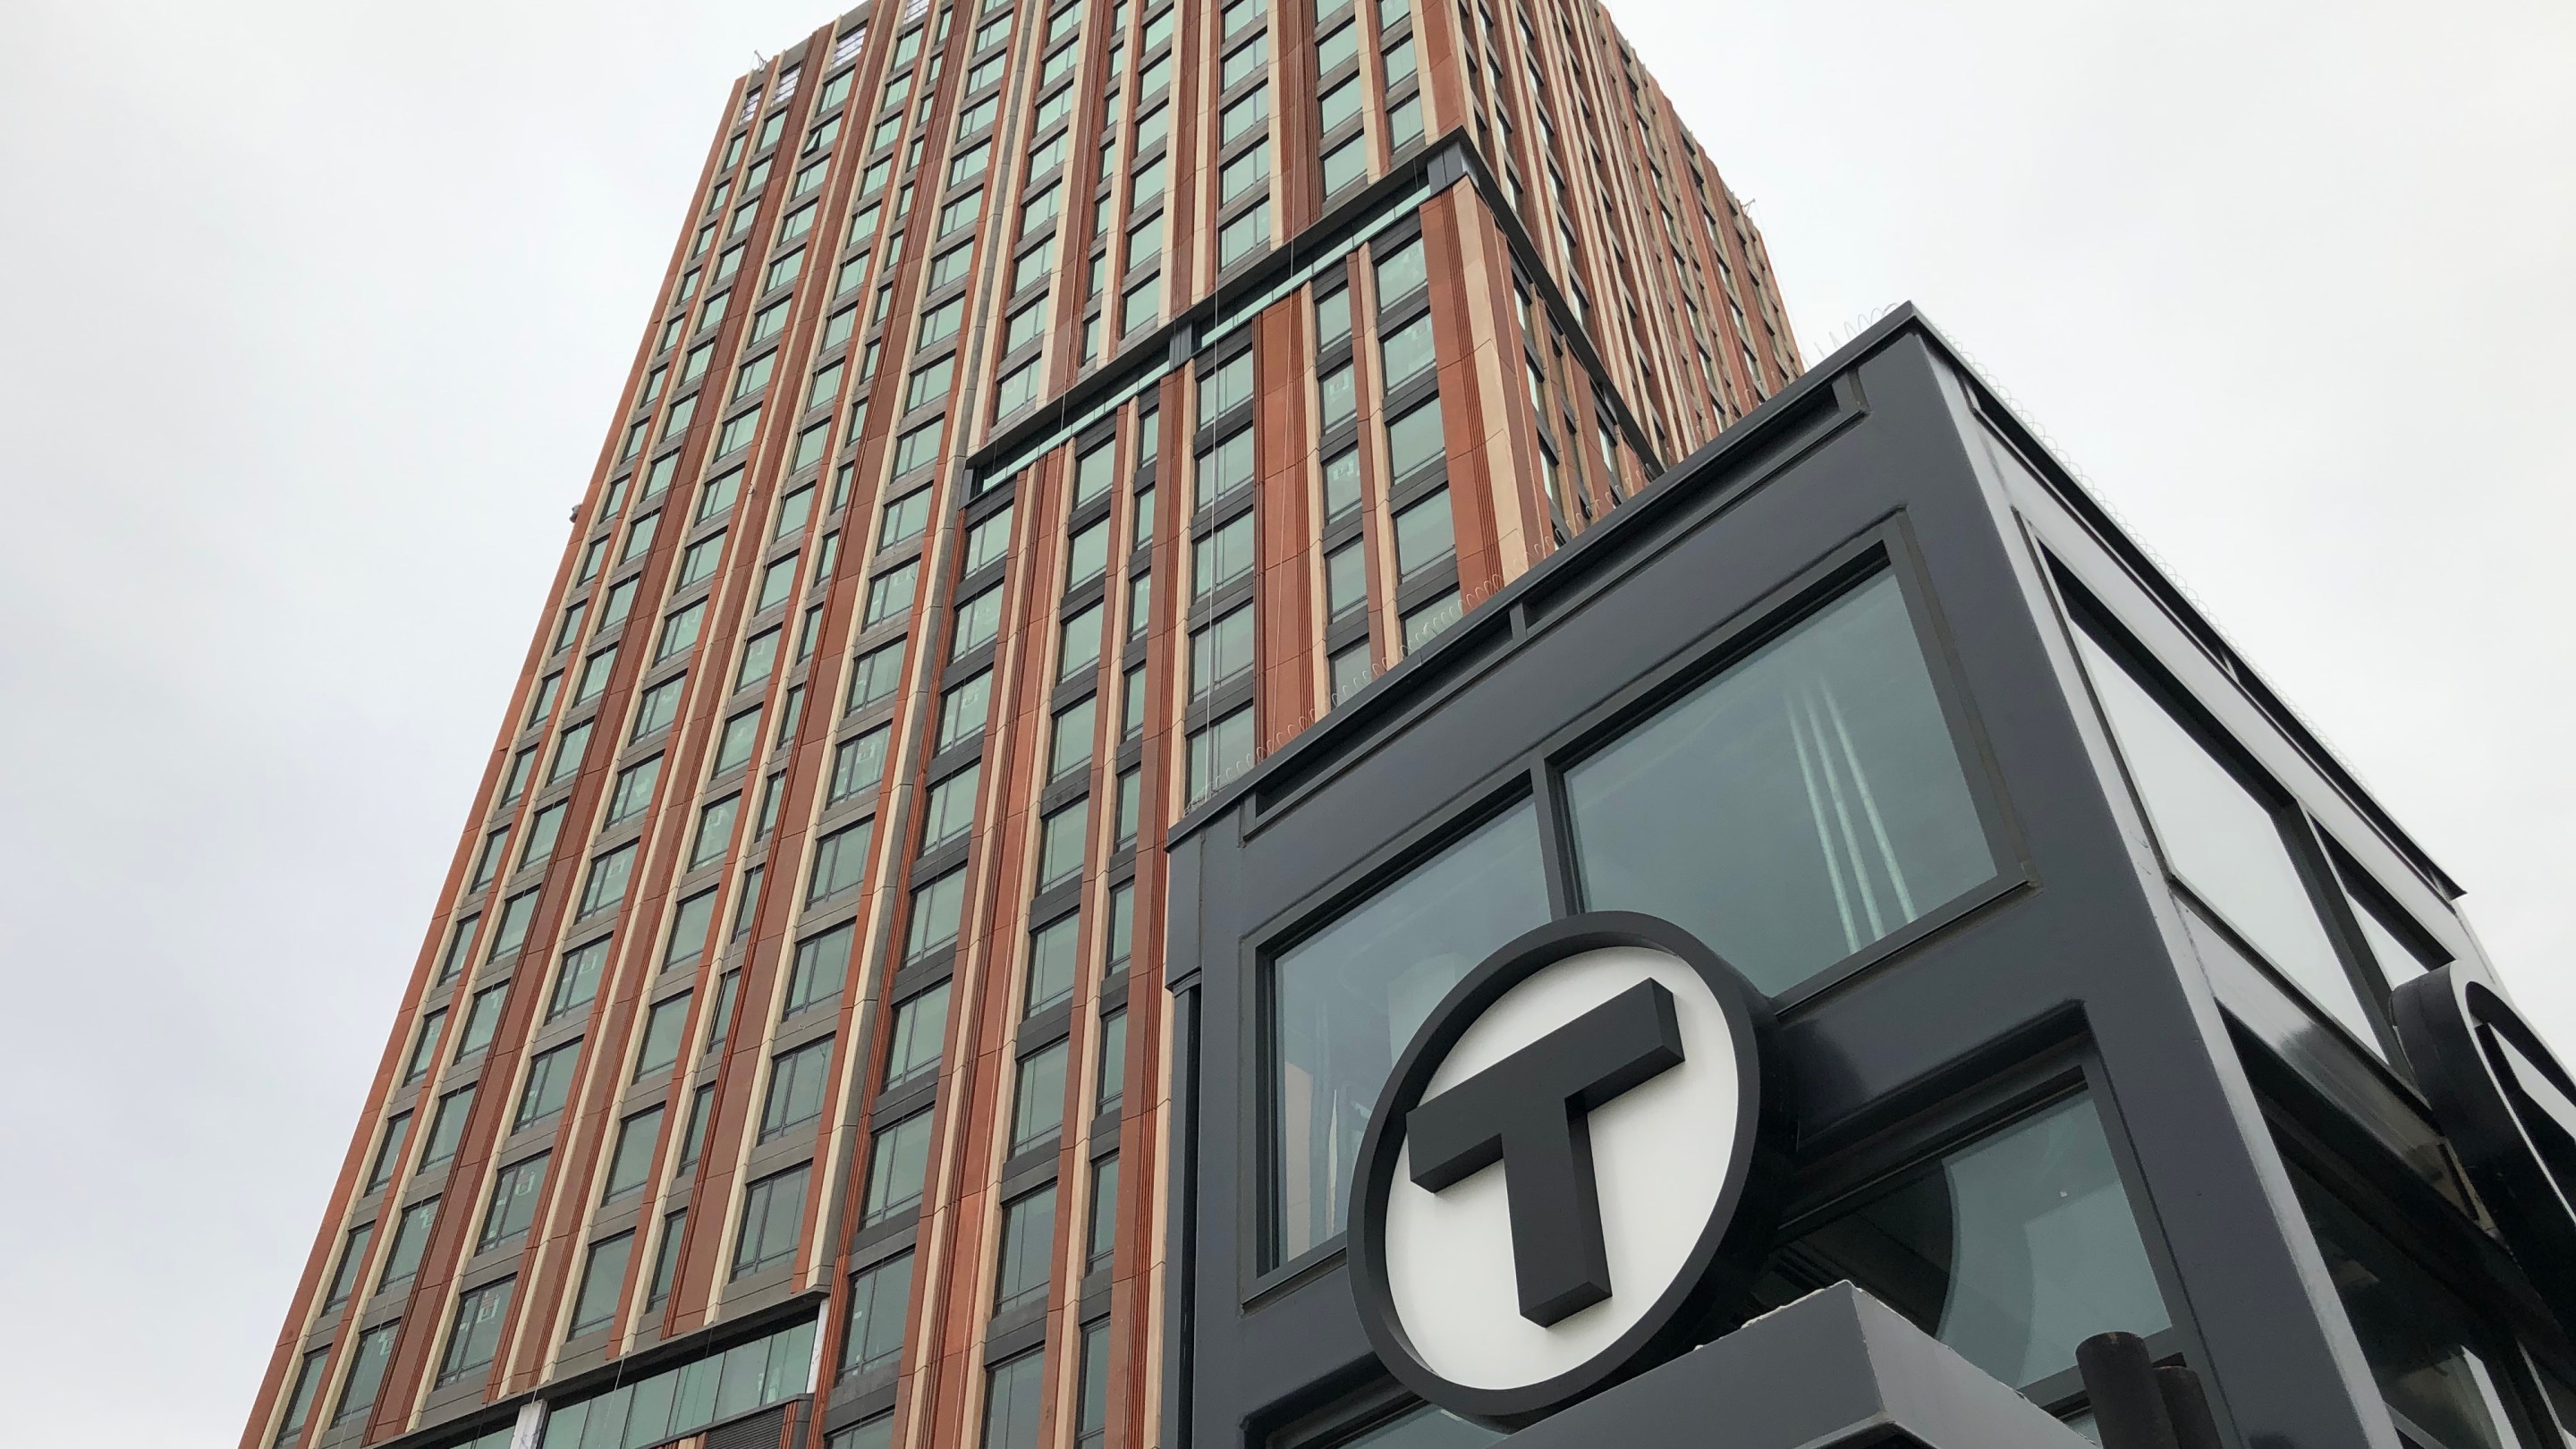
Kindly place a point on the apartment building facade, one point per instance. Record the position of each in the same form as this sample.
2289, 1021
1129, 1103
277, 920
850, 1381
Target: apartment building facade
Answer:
1046, 413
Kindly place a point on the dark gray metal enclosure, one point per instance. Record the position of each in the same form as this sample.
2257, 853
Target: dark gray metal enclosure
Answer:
2082, 944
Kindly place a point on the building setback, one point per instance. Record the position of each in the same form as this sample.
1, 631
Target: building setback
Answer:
1044, 415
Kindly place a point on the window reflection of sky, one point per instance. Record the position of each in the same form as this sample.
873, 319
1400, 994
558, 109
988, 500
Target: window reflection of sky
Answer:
2013, 1250
1347, 999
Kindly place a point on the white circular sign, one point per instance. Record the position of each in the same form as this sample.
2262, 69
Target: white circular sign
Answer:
1556, 1165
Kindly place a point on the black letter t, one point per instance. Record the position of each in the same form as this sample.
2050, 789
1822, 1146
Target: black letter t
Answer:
1530, 1112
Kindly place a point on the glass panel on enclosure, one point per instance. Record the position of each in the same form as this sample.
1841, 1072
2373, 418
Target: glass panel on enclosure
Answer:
1426, 1427
1344, 1001
2223, 841
2399, 961
2421, 1346
2011, 1250
1800, 806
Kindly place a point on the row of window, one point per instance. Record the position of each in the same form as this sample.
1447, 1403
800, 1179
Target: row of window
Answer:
607, 882
683, 1400
840, 857
515, 1191
880, 1302
1723, 396
1555, 379
1015, 1393
767, 1235
1424, 540
898, 1157
1425, 424
897, 1160
550, 1073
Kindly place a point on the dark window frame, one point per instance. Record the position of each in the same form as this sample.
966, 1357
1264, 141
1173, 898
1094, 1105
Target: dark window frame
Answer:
1539, 774
1911, 1131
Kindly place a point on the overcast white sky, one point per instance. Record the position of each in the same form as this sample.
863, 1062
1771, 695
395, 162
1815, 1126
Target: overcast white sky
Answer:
322, 308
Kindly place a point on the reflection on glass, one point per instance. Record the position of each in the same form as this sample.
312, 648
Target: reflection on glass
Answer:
920, 1031
1020, 1275
2398, 962
688, 1398
1346, 1000
2222, 841
2012, 1250
2562, 1407
1427, 1427
876, 1433
1793, 810
2415, 1337
897, 1162
1014, 1396
879, 1299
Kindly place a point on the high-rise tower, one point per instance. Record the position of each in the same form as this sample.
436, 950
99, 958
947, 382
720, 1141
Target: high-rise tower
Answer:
1043, 415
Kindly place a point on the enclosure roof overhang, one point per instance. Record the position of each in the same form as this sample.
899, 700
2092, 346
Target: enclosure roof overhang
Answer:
1769, 436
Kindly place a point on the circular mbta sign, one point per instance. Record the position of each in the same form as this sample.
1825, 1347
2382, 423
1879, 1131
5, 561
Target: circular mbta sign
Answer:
2509, 1110
1574, 1170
